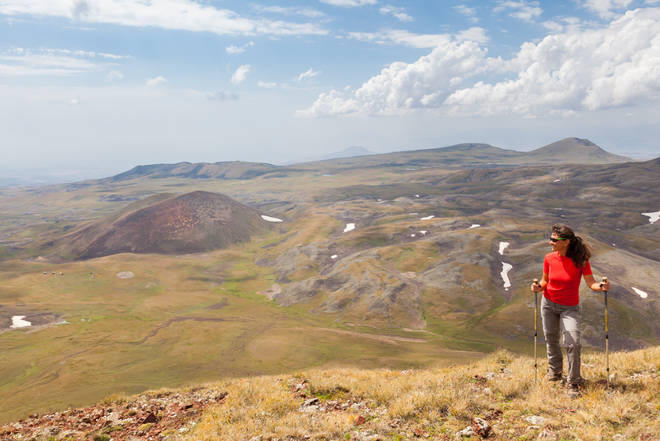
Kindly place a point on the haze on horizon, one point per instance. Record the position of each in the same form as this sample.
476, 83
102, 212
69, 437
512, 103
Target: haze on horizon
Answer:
90, 89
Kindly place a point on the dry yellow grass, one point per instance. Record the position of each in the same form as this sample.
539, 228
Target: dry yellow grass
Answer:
437, 403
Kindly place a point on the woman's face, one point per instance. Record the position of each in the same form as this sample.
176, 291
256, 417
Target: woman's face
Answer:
558, 244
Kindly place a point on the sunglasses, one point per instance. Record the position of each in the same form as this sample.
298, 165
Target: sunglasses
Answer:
556, 239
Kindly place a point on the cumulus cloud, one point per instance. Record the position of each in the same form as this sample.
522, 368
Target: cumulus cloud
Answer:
186, 15
350, 3
606, 8
523, 9
240, 74
310, 73
235, 50
398, 13
578, 70
155, 82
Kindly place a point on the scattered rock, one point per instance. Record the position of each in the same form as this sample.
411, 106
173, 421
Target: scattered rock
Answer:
547, 434
360, 420
535, 420
125, 275
151, 418
481, 427
148, 416
465, 433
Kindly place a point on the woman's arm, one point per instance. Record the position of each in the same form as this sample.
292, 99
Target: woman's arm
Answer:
596, 286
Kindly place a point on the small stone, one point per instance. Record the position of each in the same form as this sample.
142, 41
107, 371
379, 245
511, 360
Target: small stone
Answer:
311, 402
535, 420
360, 420
547, 434
465, 433
151, 418
257, 438
481, 427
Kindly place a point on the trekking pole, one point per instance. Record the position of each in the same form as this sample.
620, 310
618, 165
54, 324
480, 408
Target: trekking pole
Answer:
536, 307
607, 338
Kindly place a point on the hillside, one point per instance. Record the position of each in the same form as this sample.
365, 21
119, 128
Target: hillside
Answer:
495, 398
217, 170
575, 150
188, 223
466, 155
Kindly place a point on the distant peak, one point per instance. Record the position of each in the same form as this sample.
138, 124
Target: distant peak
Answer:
582, 141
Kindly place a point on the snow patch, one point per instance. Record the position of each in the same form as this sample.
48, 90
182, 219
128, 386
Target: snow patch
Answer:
18, 322
334, 256
412, 235
474, 226
506, 267
270, 219
640, 293
416, 195
427, 217
349, 227
557, 180
423, 232
653, 217
503, 246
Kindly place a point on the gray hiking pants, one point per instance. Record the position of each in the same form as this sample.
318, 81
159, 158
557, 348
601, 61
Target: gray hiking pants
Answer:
565, 320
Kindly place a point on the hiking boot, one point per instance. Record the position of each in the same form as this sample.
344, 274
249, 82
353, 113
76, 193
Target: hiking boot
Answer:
550, 376
573, 390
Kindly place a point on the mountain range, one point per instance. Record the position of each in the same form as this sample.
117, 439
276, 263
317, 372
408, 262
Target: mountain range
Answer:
169, 274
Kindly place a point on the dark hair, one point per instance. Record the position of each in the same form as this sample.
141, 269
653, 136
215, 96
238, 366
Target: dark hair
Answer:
578, 250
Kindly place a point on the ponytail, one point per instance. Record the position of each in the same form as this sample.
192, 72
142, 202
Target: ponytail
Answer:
578, 250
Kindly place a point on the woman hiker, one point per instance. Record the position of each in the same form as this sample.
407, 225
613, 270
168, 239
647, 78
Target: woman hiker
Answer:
563, 270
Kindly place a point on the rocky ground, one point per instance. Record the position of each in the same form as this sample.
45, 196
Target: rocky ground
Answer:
152, 416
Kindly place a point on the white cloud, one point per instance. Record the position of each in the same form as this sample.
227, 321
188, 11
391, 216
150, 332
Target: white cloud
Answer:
471, 13
398, 36
46, 62
350, 3
403, 86
419, 41
115, 75
74, 101
157, 81
221, 95
605, 8
240, 74
523, 9
579, 70
310, 73
286, 10
267, 85
186, 15
398, 13
476, 34
235, 50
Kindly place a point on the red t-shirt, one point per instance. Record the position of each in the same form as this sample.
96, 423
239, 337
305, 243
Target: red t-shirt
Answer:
563, 279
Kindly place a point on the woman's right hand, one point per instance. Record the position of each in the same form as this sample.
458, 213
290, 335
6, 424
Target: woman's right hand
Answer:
536, 287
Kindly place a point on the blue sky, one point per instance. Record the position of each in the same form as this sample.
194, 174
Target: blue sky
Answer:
97, 86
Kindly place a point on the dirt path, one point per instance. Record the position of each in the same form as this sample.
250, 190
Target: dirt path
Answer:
391, 339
